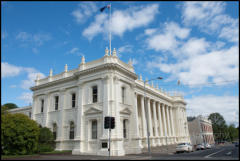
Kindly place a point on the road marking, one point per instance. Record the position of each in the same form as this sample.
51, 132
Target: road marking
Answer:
208, 156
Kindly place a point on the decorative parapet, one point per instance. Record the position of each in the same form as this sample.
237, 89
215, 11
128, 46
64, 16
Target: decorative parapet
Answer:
84, 66
151, 88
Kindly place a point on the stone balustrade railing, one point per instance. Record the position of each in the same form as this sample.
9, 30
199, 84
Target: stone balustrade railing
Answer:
92, 64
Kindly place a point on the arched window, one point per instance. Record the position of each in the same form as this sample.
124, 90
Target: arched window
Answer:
71, 134
94, 129
54, 131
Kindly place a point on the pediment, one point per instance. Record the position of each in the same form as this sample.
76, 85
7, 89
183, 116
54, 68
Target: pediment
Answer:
92, 110
126, 111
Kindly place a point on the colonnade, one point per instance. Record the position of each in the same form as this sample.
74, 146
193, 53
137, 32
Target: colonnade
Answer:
166, 122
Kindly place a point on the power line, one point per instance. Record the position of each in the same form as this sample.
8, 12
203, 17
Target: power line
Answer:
202, 84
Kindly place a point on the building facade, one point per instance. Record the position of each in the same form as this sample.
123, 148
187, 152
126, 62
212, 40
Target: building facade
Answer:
200, 130
74, 103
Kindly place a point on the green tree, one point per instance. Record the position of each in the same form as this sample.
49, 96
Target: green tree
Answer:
10, 106
233, 132
219, 126
46, 141
19, 134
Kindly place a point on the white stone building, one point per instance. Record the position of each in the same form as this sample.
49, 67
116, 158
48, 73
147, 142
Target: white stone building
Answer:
74, 103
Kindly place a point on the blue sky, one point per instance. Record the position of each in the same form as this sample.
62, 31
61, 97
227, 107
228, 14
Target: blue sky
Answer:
196, 43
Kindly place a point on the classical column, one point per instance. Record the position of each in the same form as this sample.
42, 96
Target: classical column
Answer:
143, 118
150, 118
47, 109
34, 107
155, 120
135, 123
168, 121
173, 125
60, 124
79, 124
164, 122
160, 120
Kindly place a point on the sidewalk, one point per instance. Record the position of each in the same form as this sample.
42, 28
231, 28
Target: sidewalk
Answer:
164, 149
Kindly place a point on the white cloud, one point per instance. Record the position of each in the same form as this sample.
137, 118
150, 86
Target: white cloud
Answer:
13, 86
227, 106
9, 70
84, 11
210, 18
75, 51
166, 39
35, 39
95, 27
26, 96
200, 65
26, 84
23, 36
122, 21
134, 62
124, 49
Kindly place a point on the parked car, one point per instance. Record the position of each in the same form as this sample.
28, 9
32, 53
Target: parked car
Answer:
200, 147
208, 146
184, 147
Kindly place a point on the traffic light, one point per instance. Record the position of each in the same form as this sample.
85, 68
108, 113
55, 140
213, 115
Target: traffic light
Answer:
107, 122
112, 122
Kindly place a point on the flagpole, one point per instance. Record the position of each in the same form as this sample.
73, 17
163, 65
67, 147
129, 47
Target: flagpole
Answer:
110, 35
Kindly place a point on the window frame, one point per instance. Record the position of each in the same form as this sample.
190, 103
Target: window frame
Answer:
125, 136
94, 95
71, 130
56, 103
42, 105
55, 131
94, 129
123, 89
73, 100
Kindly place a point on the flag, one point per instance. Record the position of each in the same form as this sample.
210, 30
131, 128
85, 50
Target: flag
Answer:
103, 8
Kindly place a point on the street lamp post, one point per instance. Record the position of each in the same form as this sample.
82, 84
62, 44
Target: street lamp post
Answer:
149, 151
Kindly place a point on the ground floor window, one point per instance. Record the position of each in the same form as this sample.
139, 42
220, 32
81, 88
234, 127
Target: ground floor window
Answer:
94, 129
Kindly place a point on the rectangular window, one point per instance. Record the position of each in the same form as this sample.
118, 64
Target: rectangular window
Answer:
30, 114
71, 136
123, 94
56, 102
124, 129
94, 129
73, 100
42, 105
94, 93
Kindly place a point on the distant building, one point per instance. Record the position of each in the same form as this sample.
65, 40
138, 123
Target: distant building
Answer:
73, 105
200, 130
27, 110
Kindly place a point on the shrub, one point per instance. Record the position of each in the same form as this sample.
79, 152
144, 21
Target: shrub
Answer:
46, 142
19, 134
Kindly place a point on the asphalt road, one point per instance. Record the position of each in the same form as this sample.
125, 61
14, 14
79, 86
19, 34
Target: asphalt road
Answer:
227, 152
